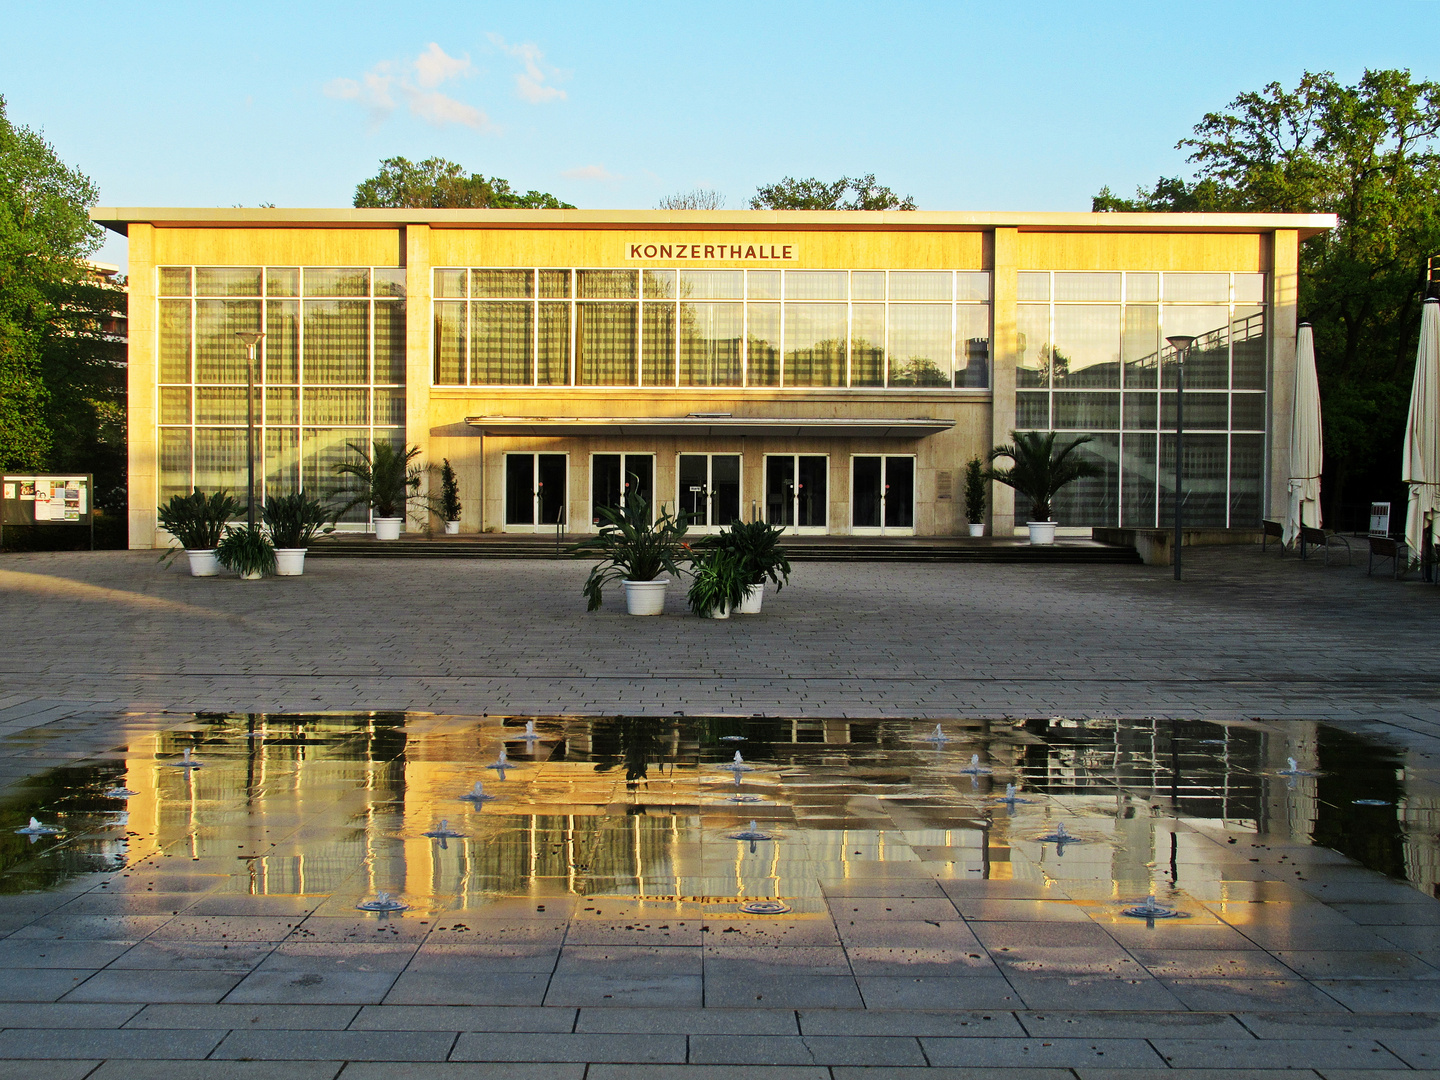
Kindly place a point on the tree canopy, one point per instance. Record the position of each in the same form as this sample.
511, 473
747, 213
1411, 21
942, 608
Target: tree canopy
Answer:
62, 386
439, 184
695, 199
1367, 153
812, 194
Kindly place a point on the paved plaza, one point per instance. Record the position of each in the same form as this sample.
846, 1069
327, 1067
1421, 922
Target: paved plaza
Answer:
898, 958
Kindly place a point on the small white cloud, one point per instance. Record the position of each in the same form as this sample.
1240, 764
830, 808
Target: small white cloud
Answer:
415, 82
530, 84
590, 172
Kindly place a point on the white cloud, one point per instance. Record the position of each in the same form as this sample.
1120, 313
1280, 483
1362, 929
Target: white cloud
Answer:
530, 84
380, 90
590, 172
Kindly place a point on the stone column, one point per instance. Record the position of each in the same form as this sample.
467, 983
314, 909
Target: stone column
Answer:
1003, 351
1283, 288
417, 341
143, 481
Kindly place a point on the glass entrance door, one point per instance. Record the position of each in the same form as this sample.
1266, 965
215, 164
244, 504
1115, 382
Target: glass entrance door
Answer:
709, 489
616, 477
797, 491
882, 498
534, 491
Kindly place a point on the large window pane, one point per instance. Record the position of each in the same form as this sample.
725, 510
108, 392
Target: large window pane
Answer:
322, 450
336, 407
390, 342
920, 347
174, 404
450, 283
389, 281
555, 284
1140, 346
1204, 480
223, 405
282, 406
500, 283
1249, 288
282, 462
867, 285
712, 284
763, 284
1138, 467
175, 341
1247, 342
1032, 410
389, 409
1032, 339
282, 281
1247, 479
710, 344
282, 341
815, 344
553, 361
1247, 412
972, 346
220, 461
1185, 288
501, 343
337, 281
1208, 363
867, 345
1203, 412
972, 285
1087, 287
1032, 285
449, 343
174, 463
1082, 411
1142, 410
606, 342
607, 284
227, 281
175, 281
219, 355
1086, 347
815, 285
921, 285
659, 285
337, 341
659, 344
1142, 288
763, 344
1093, 500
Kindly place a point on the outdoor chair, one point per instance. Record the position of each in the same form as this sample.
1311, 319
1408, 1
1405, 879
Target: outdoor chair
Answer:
1387, 547
1322, 538
1270, 529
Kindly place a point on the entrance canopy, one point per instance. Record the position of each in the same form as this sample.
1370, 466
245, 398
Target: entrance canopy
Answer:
711, 424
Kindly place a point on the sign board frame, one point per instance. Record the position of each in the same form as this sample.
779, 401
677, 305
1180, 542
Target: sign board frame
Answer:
47, 499
1379, 519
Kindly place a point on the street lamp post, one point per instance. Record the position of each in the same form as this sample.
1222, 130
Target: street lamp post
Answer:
250, 339
1181, 344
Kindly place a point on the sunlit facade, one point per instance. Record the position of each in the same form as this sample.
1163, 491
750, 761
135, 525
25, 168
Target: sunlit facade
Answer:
830, 372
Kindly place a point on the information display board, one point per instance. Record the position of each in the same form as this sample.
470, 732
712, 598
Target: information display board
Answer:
47, 499
1379, 519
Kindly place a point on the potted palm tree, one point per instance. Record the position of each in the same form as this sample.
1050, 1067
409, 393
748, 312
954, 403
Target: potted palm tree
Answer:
637, 552
385, 480
718, 584
975, 496
293, 521
1039, 470
449, 498
199, 524
756, 546
248, 551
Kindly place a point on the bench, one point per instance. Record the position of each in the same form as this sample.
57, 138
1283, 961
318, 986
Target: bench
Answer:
1269, 529
1321, 538
1387, 547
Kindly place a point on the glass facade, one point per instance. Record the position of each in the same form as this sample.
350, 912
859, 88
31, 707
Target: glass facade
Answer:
906, 329
1092, 358
330, 371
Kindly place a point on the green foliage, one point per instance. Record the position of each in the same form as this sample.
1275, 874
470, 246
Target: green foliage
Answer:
813, 194
975, 494
756, 544
381, 478
437, 183
632, 547
196, 521
294, 520
719, 582
61, 391
1040, 467
449, 493
1367, 153
246, 550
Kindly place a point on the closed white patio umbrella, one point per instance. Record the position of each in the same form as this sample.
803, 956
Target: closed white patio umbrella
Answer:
1307, 450
1420, 466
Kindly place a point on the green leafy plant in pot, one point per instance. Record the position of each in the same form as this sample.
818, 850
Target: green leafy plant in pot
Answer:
718, 583
449, 498
756, 544
294, 521
1040, 470
383, 478
198, 522
975, 495
637, 552
248, 551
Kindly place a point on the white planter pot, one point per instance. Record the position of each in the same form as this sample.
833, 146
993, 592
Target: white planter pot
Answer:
754, 597
645, 597
720, 612
254, 575
977, 529
388, 528
203, 562
1041, 532
452, 528
290, 562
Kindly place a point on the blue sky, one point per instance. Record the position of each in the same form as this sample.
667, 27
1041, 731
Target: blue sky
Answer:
965, 106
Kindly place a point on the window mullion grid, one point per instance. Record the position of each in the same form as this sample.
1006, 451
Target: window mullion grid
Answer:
744, 329
849, 324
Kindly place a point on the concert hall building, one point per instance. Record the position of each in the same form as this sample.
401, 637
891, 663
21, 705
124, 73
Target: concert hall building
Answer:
831, 372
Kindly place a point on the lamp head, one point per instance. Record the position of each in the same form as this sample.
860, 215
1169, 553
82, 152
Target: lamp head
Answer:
249, 338
1181, 342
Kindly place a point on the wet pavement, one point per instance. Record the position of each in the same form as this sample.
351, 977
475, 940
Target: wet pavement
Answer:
588, 911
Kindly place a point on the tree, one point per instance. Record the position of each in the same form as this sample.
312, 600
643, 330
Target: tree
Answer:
439, 184
62, 386
813, 194
695, 199
1367, 153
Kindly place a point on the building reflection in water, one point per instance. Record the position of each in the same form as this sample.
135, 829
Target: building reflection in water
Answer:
336, 805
